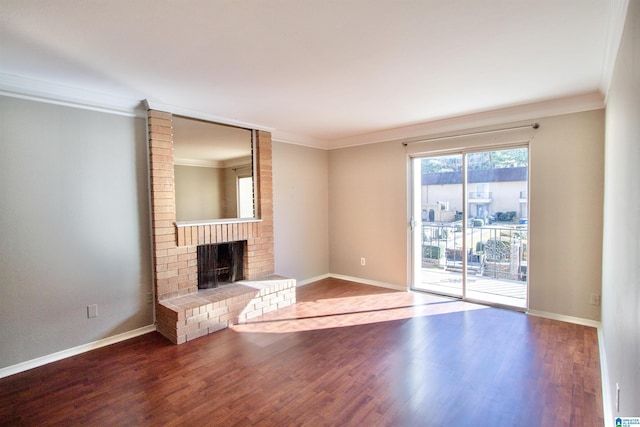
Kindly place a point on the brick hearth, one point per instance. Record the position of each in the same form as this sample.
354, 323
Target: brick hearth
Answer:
175, 257
211, 310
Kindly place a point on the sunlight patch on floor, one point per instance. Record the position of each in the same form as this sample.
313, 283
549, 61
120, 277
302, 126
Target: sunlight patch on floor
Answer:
352, 311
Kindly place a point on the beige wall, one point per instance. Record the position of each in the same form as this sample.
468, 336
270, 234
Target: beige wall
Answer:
368, 211
230, 194
566, 199
621, 244
301, 221
207, 193
199, 193
231, 176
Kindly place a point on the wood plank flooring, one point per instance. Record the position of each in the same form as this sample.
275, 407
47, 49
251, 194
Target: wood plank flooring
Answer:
346, 354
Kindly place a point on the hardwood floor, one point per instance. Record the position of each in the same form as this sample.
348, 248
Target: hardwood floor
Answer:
345, 354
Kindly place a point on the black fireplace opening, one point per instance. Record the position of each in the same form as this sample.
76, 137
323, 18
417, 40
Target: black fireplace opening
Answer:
220, 264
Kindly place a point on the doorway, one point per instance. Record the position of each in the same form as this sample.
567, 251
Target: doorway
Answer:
472, 239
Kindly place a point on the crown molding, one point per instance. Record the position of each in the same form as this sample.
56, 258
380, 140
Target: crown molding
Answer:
554, 107
305, 141
276, 135
201, 163
240, 162
195, 114
53, 93
21, 87
615, 28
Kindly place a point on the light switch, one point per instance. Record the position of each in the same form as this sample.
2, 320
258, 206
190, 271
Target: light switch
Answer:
92, 311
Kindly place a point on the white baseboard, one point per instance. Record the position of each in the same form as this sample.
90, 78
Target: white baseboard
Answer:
34, 363
604, 376
311, 280
564, 318
352, 279
368, 282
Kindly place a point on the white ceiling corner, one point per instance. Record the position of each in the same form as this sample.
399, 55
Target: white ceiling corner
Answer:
617, 16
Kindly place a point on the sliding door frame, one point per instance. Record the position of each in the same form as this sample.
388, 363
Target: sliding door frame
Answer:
415, 241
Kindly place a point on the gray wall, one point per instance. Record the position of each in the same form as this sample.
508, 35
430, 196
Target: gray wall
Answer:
74, 227
368, 212
621, 244
300, 204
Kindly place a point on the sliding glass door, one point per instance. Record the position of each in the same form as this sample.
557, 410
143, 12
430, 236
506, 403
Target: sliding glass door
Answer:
470, 234
438, 235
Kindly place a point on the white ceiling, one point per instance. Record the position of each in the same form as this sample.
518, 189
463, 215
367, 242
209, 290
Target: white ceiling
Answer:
316, 72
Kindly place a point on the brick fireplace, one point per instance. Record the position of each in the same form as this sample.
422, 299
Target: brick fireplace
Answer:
182, 312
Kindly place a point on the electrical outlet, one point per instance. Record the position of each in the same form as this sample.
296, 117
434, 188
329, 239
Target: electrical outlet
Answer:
617, 397
92, 311
595, 299
149, 297
363, 261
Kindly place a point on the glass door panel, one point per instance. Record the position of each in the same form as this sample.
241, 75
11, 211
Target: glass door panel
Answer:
497, 226
437, 231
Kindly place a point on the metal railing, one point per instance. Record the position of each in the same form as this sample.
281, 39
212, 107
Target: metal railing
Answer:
494, 251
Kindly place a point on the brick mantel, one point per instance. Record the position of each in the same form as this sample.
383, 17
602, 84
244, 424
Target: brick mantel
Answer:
174, 252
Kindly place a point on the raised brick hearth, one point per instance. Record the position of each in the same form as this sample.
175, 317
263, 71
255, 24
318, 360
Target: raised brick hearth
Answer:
211, 310
175, 256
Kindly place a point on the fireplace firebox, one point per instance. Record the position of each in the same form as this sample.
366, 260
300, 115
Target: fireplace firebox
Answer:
220, 264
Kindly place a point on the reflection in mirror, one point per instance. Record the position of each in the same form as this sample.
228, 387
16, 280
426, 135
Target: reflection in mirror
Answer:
213, 166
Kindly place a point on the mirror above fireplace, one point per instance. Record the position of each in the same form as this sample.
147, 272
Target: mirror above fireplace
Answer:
214, 170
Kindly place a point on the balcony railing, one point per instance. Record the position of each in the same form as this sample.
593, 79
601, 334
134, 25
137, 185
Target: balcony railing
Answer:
498, 252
